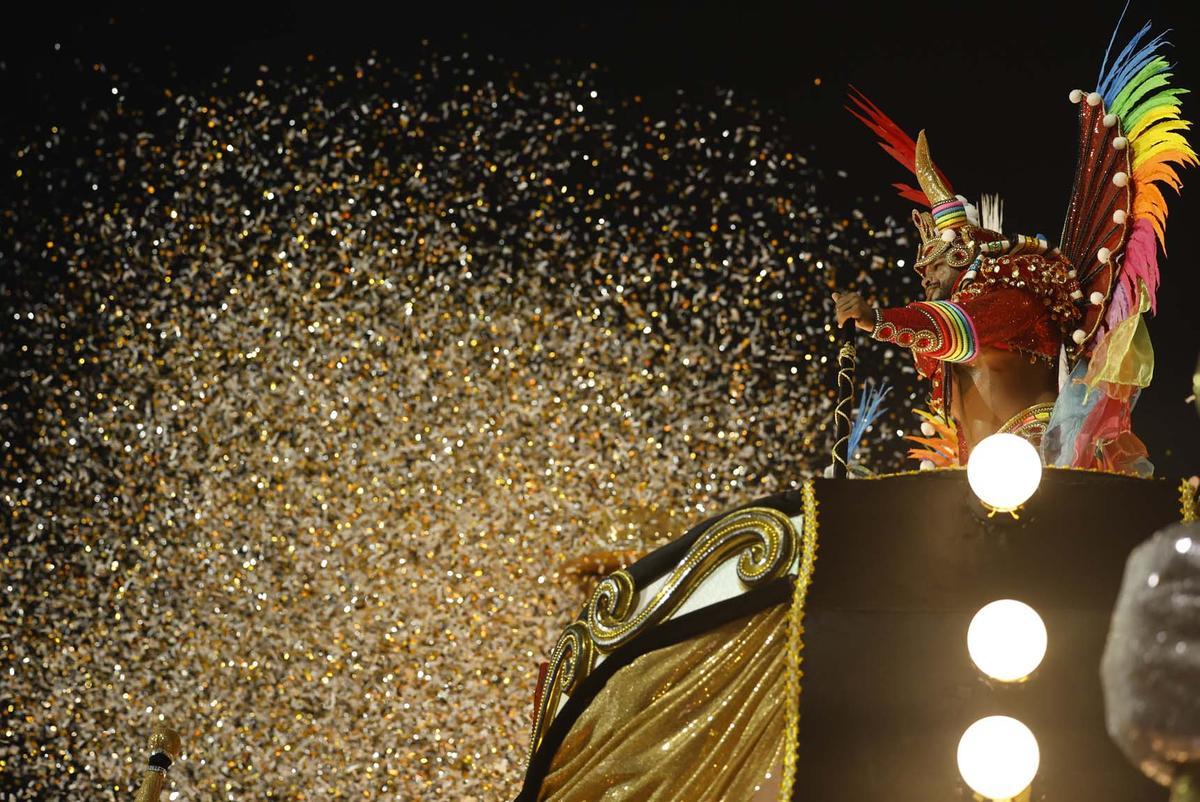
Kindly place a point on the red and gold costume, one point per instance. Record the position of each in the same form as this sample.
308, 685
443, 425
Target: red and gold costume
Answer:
1082, 302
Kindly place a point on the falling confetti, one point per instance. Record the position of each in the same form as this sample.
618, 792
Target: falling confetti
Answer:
313, 381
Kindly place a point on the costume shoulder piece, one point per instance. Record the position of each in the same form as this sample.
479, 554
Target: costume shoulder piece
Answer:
1131, 144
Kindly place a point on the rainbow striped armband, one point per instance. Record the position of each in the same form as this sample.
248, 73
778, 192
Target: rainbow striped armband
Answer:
937, 329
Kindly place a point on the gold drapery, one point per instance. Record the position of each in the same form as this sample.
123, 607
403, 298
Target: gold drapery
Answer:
701, 720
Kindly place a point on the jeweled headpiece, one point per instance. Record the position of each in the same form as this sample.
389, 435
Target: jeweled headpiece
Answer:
948, 210
945, 230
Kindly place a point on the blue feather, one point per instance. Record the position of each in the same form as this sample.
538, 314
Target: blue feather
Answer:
1133, 58
1111, 40
1133, 66
1128, 52
868, 412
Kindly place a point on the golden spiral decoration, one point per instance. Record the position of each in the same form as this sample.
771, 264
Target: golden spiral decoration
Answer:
571, 661
764, 540
611, 602
847, 359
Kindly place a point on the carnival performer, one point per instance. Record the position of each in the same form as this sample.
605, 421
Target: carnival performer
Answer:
1046, 343
989, 330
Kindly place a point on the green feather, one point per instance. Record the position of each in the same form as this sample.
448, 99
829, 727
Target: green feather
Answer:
1168, 96
1137, 86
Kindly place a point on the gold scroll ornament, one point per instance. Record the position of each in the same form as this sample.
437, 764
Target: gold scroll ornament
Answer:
762, 540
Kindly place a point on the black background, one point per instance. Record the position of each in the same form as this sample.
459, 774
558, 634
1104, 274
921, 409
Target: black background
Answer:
988, 80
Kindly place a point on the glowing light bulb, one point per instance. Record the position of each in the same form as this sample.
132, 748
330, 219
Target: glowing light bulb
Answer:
1004, 470
998, 757
1007, 640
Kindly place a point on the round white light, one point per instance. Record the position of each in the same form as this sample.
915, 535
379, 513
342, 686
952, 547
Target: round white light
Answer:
1004, 470
1007, 640
998, 757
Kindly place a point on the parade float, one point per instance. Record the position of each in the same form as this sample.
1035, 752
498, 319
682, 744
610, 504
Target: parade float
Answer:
932, 635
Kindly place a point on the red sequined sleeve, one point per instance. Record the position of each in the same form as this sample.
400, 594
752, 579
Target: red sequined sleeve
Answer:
955, 331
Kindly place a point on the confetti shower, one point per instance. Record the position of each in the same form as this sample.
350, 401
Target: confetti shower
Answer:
314, 382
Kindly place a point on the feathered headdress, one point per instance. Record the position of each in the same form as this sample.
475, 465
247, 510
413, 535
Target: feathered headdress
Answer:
952, 225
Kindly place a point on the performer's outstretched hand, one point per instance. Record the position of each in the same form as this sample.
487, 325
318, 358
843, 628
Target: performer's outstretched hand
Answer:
850, 305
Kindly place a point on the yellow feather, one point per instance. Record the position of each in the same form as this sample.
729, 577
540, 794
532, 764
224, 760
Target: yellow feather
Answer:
1174, 145
942, 449
1151, 117
1165, 130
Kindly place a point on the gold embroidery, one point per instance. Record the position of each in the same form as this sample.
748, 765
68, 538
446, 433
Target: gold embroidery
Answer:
1187, 501
1030, 423
795, 644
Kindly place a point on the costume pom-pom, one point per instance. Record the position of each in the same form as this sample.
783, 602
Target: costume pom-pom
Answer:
1121, 179
1119, 217
1079, 335
1120, 143
1094, 99
927, 465
1104, 255
927, 428
1076, 95
1109, 120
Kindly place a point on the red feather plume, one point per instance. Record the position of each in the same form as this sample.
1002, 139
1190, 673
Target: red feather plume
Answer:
894, 141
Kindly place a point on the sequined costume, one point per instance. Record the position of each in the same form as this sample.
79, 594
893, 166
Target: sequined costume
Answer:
1081, 303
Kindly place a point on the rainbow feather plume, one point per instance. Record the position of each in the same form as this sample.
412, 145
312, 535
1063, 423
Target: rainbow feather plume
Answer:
1136, 87
1137, 92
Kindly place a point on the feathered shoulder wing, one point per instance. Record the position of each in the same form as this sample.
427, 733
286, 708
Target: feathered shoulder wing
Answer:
1131, 144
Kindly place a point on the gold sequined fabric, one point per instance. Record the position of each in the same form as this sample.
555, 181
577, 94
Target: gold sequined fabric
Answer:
1030, 423
702, 720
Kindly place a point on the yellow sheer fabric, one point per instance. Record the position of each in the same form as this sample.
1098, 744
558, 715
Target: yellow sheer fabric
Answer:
702, 721
1124, 358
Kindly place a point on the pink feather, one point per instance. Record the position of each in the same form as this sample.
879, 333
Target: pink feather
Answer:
1118, 307
1141, 262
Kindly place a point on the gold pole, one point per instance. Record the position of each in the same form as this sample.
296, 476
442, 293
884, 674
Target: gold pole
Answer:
164, 750
845, 404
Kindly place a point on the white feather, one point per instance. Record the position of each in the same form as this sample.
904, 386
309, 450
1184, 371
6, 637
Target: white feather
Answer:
971, 210
992, 212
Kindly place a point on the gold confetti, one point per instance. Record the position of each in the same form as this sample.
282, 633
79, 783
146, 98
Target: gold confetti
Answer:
311, 391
